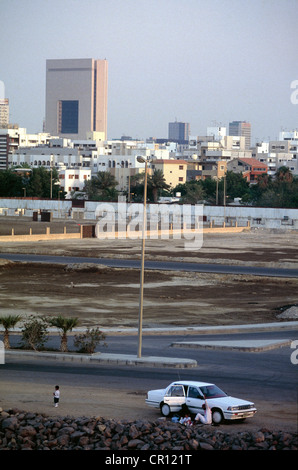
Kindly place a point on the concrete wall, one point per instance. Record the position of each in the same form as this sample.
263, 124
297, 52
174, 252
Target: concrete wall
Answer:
266, 217
26, 206
271, 218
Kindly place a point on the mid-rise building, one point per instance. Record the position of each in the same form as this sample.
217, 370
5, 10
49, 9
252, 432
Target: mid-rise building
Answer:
174, 171
76, 97
179, 132
4, 112
241, 128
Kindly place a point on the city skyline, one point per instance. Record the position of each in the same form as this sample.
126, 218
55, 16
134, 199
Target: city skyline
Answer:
201, 62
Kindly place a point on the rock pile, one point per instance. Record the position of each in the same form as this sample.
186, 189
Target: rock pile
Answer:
20, 430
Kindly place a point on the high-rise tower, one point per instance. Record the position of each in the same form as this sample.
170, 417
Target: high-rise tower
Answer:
76, 97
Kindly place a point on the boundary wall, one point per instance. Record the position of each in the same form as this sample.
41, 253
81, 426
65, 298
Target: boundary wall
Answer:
213, 216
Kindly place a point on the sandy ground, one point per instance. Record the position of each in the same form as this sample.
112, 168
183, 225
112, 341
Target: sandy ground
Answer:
124, 404
108, 297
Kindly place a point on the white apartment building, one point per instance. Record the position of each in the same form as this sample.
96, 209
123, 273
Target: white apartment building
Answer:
77, 161
14, 137
221, 148
288, 135
217, 132
47, 157
73, 180
278, 153
275, 160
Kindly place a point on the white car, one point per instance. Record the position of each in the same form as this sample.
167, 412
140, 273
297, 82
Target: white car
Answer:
192, 395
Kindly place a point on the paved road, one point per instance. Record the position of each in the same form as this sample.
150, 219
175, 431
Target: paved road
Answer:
160, 265
268, 378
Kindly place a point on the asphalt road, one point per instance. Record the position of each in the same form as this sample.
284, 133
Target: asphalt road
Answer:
268, 378
269, 373
160, 265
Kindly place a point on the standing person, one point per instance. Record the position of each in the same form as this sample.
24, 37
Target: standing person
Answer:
56, 395
207, 417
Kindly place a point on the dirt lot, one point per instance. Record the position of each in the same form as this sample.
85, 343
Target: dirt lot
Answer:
108, 297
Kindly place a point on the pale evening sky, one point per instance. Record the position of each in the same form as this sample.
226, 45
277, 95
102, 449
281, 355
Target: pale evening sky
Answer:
197, 61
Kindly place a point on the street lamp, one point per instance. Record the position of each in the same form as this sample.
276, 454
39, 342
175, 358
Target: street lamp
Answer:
51, 182
142, 160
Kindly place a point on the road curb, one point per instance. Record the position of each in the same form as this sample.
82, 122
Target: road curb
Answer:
101, 358
246, 346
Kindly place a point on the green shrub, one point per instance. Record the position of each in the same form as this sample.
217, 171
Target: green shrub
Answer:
34, 333
87, 342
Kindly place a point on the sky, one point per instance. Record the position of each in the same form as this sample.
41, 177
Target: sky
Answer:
205, 62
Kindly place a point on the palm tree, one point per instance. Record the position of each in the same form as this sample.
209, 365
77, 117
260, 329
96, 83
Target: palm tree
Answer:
157, 182
8, 322
194, 193
65, 325
102, 187
284, 174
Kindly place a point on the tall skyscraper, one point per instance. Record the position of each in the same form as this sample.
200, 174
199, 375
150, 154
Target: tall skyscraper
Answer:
76, 97
179, 132
241, 128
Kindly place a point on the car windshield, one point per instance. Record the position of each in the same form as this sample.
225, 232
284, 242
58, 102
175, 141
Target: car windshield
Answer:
212, 391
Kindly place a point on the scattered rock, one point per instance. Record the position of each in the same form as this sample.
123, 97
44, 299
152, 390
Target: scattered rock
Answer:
28, 431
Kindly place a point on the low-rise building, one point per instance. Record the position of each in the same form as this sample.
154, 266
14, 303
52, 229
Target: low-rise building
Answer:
174, 170
249, 167
73, 179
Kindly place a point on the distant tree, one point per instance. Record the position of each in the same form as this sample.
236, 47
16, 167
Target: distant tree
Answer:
34, 332
8, 322
88, 341
102, 187
236, 185
137, 187
284, 175
11, 184
194, 193
157, 183
39, 184
64, 325
280, 191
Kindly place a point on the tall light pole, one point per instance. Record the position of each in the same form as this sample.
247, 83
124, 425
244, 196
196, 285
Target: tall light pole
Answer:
51, 178
144, 227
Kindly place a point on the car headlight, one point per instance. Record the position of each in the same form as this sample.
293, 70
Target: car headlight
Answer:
237, 408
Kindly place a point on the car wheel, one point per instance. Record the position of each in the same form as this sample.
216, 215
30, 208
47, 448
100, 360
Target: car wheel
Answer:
217, 417
165, 409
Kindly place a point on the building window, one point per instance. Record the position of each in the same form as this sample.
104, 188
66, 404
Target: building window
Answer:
68, 117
